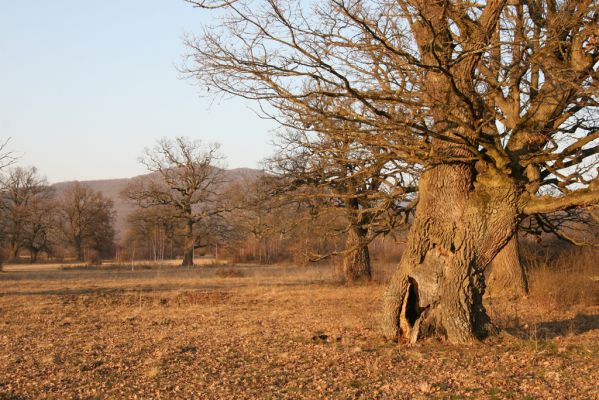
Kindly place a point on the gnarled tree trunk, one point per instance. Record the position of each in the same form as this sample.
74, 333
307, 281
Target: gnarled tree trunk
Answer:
356, 265
507, 277
463, 219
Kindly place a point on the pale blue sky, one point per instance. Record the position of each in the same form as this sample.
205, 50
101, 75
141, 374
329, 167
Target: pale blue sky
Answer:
85, 86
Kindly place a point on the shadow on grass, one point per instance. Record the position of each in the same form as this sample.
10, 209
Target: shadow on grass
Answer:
580, 324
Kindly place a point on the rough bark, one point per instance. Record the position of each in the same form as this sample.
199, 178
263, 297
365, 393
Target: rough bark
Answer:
189, 246
356, 265
462, 221
507, 277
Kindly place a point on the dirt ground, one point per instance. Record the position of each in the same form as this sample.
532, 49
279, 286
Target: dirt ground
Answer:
245, 332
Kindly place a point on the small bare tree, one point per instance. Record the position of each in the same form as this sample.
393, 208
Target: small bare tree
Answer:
7, 158
23, 190
260, 215
187, 178
86, 220
373, 191
41, 227
155, 230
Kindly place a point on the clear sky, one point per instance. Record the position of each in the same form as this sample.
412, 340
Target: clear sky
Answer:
85, 86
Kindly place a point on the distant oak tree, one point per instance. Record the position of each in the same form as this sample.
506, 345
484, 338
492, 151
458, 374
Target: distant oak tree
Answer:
86, 220
23, 193
187, 178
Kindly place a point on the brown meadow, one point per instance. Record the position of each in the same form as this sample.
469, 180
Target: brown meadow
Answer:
242, 331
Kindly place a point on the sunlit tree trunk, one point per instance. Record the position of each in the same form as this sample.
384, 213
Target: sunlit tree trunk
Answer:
356, 264
507, 277
189, 246
462, 221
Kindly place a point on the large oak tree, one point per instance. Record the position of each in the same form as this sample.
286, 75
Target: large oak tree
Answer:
496, 100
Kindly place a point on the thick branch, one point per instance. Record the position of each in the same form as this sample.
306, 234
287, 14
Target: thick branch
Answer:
548, 204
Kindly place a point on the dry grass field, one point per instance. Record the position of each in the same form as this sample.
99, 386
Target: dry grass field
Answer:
243, 332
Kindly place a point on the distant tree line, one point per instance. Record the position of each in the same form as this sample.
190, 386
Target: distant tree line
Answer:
36, 220
187, 205
318, 200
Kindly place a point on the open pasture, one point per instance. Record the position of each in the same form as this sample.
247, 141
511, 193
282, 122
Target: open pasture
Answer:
246, 332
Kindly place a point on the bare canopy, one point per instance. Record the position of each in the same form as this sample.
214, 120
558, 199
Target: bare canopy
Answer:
496, 100
186, 179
